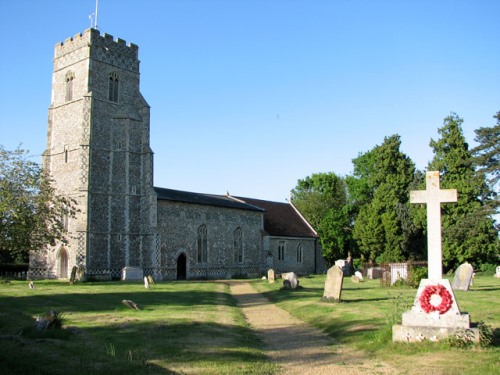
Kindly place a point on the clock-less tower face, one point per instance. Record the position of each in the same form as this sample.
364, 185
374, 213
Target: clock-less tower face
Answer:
98, 153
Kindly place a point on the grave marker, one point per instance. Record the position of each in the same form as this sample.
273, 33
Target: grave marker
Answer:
333, 284
463, 277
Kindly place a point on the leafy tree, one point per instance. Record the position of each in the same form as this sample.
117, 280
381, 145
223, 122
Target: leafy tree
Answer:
322, 199
31, 213
379, 193
487, 161
468, 230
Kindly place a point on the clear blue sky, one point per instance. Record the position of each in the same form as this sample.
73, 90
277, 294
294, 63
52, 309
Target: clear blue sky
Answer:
248, 96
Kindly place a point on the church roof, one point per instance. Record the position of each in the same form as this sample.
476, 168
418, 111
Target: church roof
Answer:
281, 219
203, 199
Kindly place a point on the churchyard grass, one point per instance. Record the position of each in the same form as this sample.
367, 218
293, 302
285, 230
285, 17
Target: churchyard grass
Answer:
364, 319
182, 327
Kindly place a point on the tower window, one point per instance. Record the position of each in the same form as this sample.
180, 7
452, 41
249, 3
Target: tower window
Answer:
238, 245
202, 244
113, 87
69, 86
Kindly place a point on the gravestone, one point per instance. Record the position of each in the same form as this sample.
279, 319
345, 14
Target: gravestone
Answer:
333, 284
151, 280
497, 274
271, 276
132, 274
146, 282
359, 275
355, 279
130, 304
31, 285
374, 272
463, 277
73, 275
290, 280
435, 314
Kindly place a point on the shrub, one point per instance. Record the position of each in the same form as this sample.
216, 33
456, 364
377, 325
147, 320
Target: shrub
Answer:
415, 275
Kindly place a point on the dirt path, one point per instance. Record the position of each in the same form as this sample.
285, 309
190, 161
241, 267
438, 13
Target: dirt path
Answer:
294, 345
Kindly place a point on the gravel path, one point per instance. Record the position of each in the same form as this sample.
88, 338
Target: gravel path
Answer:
294, 345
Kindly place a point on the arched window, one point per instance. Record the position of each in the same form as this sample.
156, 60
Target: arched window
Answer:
202, 244
70, 76
238, 245
299, 253
113, 87
281, 250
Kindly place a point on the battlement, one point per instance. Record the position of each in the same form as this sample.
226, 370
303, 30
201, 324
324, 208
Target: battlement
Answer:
92, 38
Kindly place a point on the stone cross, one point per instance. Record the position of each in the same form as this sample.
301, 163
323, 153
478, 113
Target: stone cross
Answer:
433, 197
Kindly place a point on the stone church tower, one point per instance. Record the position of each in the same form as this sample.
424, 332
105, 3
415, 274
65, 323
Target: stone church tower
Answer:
98, 153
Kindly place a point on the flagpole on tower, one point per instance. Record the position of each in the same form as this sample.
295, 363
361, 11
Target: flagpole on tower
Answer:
96, 10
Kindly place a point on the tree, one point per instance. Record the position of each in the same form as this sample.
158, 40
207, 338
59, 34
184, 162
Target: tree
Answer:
468, 230
487, 161
32, 215
379, 193
322, 199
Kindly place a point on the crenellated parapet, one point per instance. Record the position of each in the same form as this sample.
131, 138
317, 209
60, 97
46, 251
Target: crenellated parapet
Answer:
103, 48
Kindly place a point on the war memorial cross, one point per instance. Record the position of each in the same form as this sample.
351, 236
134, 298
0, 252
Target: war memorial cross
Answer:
433, 197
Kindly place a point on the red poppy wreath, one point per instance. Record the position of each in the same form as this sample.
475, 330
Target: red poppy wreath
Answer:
435, 298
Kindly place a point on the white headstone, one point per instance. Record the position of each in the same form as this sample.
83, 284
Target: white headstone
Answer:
359, 275
463, 277
146, 282
132, 274
291, 280
433, 196
497, 274
271, 276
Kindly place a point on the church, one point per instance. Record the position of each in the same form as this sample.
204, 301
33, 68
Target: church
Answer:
98, 153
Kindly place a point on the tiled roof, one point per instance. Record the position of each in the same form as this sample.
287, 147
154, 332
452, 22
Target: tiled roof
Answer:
281, 219
203, 199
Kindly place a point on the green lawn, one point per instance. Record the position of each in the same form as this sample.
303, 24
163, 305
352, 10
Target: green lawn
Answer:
195, 327
364, 318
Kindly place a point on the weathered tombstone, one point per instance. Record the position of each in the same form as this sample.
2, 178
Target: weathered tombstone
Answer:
73, 275
146, 282
271, 276
49, 320
374, 272
355, 279
435, 314
31, 285
333, 284
359, 275
497, 274
151, 280
463, 277
130, 304
290, 280
132, 274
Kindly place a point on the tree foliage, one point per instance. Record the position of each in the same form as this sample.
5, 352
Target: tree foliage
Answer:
322, 199
487, 161
379, 193
468, 230
31, 213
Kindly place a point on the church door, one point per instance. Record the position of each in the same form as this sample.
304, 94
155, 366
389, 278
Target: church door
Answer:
181, 267
63, 264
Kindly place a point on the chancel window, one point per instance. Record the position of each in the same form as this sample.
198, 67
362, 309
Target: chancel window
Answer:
238, 245
70, 76
299, 253
202, 244
113, 87
281, 250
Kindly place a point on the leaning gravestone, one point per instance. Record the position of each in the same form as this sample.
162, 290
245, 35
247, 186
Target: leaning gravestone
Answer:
271, 276
359, 275
132, 274
73, 275
463, 277
290, 280
355, 279
333, 284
